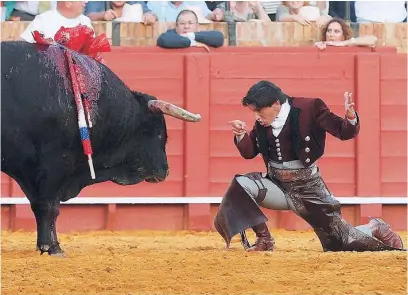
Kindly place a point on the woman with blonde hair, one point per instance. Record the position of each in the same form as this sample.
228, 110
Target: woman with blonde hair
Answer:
337, 33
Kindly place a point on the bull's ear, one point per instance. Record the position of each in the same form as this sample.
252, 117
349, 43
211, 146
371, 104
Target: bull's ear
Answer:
173, 110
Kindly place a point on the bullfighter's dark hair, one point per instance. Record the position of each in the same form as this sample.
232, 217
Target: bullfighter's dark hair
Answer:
263, 94
186, 11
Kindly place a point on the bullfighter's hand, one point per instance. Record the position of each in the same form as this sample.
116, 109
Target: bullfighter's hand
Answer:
238, 127
349, 106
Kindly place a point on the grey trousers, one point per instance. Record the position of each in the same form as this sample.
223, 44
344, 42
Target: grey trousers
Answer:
275, 198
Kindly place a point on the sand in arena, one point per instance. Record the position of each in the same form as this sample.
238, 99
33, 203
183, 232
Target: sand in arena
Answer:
147, 262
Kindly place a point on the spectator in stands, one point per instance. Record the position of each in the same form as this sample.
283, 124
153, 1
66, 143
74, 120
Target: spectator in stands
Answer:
338, 9
323, 5
167, 11
381, 11
24, 10
212, 5
111, 10
338, 33
242, 11
186, 34
7, 8
270, 8
68, 14
28, 10
301, 12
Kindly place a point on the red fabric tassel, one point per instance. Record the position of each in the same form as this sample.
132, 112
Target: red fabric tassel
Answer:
39, 39
80, 38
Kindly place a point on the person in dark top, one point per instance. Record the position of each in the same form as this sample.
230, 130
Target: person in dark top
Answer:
338, 9
213, 4
186, 34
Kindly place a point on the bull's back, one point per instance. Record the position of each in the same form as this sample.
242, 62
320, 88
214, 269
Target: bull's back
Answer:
31, 77
36, 103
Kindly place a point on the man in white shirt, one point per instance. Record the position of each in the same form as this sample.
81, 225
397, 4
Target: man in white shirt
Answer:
380, 11
68, 14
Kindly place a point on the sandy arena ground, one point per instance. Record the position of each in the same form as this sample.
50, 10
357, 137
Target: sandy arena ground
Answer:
194, 263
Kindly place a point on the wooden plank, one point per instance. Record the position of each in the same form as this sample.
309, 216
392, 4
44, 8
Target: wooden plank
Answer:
282, 65
368, 141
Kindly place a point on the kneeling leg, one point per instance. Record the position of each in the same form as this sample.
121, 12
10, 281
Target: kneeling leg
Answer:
268, 195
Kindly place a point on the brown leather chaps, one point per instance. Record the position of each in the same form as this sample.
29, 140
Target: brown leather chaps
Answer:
312, 201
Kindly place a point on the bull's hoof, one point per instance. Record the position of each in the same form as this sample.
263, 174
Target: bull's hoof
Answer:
54, 250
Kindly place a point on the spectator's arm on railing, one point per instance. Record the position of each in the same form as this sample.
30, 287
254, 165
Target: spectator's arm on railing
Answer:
171, 39
210, 38
369, 41
149, 17
365, 41
216, 15
96, 11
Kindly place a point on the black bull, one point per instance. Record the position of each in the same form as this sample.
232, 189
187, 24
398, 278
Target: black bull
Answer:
41, 147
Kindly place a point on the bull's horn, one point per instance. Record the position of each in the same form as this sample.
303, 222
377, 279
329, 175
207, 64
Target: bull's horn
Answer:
173, 110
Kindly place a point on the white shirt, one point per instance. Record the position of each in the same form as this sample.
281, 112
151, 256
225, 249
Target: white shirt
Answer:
325, 10
32, 7
280, 120
381, 11
270, 6
49, 22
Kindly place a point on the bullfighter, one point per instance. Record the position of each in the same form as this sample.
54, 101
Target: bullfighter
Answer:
290, 134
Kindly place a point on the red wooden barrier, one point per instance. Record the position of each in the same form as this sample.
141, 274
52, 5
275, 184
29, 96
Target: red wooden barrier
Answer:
202, 157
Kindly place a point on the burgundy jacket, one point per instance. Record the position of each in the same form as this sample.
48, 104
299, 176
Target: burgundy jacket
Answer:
303, 136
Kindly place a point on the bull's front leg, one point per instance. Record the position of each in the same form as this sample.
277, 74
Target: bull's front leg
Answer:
46, 214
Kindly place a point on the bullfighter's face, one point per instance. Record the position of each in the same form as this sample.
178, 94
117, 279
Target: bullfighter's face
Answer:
266, 115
